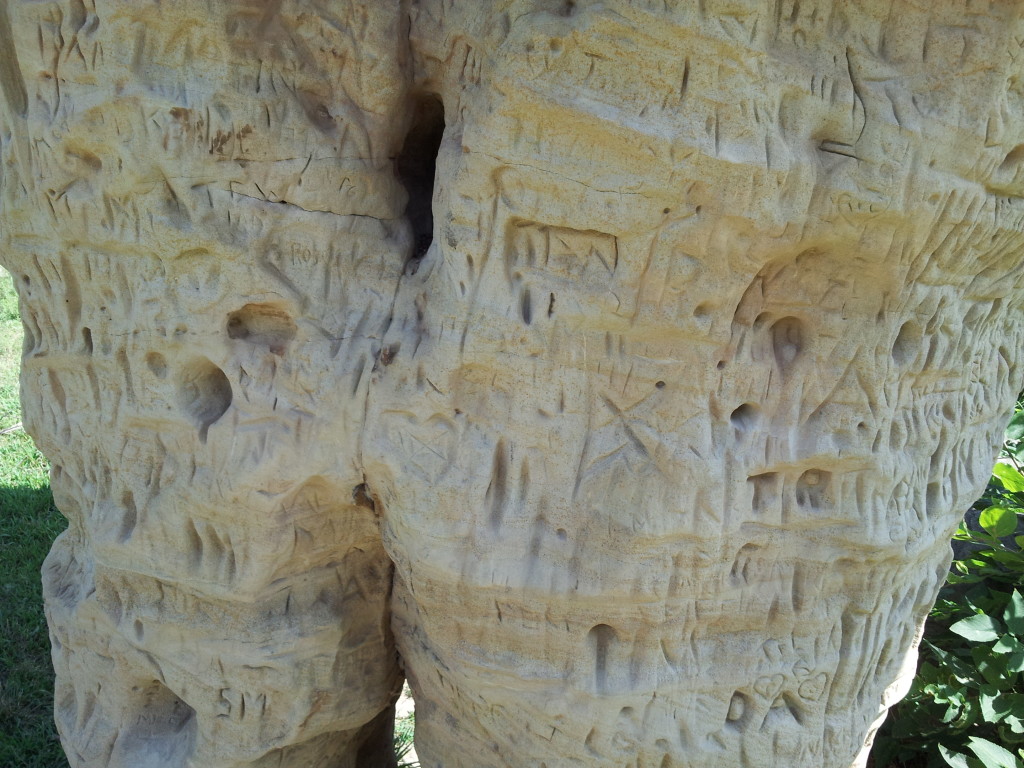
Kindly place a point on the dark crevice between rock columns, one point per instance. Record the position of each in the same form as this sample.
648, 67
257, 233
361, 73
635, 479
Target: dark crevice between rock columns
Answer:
415, 166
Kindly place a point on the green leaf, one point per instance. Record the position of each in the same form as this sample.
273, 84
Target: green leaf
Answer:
953, 759
1015, 429
941, 693
951, 664
967, 719
991, 755
1009, 559
1007, 736
1008, 644
999, 521
979, 628
1016, 724
1016, 701
955, 709
993, 667
952, 713
1009, 477
994, 707
1015, 662
1014, 614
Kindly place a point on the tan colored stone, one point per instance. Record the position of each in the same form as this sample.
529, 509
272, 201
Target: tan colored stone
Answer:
636, 436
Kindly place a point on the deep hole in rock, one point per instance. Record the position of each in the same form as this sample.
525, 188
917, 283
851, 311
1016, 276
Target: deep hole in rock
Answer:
601, 638
204, 393
908, 343
745, 417
813, 489
264, 325
415, 166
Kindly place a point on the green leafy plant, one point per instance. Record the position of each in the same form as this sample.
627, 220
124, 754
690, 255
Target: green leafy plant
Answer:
966, 706
405, 727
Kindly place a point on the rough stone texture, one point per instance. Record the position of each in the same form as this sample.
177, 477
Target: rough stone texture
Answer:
636, 438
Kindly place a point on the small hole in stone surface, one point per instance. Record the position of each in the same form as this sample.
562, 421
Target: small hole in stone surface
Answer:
526, 306
659, 384
129, 518
908, 343
787, 341
737, 707
601, 639
204, 393
745, 417
813, 489
361, 497
265, 325
765, 487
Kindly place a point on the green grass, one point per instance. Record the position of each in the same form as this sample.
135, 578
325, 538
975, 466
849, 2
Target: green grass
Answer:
28, 524
405, 728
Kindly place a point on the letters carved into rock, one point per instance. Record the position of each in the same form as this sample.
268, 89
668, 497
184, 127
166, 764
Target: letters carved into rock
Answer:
614, 371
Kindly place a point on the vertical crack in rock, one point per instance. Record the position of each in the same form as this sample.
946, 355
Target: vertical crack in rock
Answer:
416, 165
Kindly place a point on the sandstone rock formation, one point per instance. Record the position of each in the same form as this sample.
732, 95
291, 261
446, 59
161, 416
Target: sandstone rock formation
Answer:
617, 371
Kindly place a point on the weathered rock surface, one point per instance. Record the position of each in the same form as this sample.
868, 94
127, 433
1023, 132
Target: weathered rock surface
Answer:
635, 437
